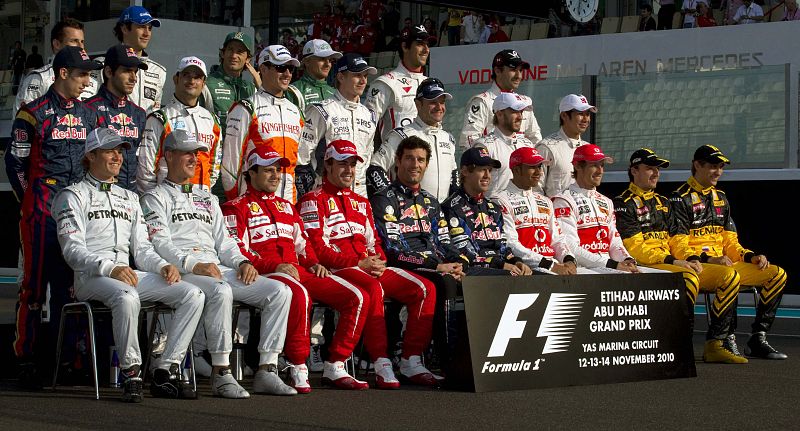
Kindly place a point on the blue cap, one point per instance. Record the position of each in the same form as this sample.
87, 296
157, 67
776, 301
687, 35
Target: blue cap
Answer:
431, 89
354, 63
138, 15
479, 156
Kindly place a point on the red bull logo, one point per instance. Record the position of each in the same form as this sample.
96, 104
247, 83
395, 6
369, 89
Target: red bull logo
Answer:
122, 119
414, 211
69, 120
484, 220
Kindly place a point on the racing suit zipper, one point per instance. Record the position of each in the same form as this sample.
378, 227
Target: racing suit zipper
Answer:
438, 164
196, 133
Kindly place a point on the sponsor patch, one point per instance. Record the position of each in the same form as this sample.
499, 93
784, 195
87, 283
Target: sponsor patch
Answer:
563, 212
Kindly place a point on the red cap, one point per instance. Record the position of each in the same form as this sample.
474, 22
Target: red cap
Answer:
264, 155
526, 156
342, 149
590, 153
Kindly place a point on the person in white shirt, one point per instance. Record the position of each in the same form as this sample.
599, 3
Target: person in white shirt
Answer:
748, 13
558, 148
471, 28
689, 13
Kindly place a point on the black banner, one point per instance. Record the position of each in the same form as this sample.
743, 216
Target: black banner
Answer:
549, 331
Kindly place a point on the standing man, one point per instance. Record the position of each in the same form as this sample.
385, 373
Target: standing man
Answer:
509, 109
264, 116
587, 216
665, 14
312, 87
391, 96
531, 229
441, 174
120, 114
748, 13
48, 136
508, 69
17, 65
645, 223
68, 32
135, 28
558, 148
183, 112
186, 227
100, 226
225, 84
342, 117
476, 223
269, 232
341, 228
705, 233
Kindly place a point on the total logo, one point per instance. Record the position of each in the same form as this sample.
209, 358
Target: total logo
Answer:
558, 326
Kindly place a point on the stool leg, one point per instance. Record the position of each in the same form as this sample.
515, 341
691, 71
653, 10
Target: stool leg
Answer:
59, 344
93, 349
708, 309
149, 351
191, 367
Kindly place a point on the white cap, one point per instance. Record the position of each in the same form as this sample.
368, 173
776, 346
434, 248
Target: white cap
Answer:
514, 101
192, 61
103, 138
575, 102
277, 54
320, 48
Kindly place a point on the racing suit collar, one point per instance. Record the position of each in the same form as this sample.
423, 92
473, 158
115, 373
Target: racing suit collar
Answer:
275, 99
259, 194
573, 143
580, 190
349, 104
319, 83
507, 139
406, 190
474, 200
330, 188
183, 188
218, 72
512, 188
103, 186
182, 105
698, 187
427, 127
62, 101
119, 102
402, 68
496, 90
638, 191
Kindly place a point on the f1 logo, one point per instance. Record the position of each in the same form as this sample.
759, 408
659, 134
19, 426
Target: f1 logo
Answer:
509, 327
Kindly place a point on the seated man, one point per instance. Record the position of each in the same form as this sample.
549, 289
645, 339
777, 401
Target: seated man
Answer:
270, 233
342, 232
99, 225
532, 231
476, 223
187, 229
644, 221
587, 216
706, 233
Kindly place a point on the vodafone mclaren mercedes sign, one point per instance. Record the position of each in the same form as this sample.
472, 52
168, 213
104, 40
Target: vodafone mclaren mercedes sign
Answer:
546, 331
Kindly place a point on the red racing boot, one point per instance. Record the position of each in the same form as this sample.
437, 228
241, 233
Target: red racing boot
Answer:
416, 373
384, 374
334, 374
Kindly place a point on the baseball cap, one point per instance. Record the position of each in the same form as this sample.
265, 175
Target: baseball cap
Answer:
432, 88
590, 153
342, 149
277, 55
241, 37
511, 100
510, 58
264, 155
575, 102
103, 138
479, 156
526, 156
138, 15
181, 140
192, 61
123, 55
74, 57
648, 157
352, 62
415, 33
320, 48
711, 154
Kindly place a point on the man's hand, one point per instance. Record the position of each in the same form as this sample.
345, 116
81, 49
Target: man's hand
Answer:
372, 265
254, 73
513, 269
721, 260
125, 274
247, 273
526, 270
171, 274
454, 269
289, 270
207, 269
694, 265
568, 268
760, 260
320, 271
628, 266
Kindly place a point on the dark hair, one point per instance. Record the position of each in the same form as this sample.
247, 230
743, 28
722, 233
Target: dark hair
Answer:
630, 176
569, 114
413, 143
400, 47
118, 29
647, 7
57, 33
582, 163
113, 71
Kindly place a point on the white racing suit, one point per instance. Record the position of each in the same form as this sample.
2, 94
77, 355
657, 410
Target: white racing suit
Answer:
149, 87
197, 121
589, 224
99, 226
441, 176
558, 149
500, 148
478, 120
186, 227
338, 118
391, 97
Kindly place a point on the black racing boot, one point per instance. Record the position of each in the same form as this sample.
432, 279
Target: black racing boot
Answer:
758, 347
132, 385
169, 384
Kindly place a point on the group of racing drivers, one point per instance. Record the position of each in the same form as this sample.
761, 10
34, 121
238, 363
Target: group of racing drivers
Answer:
328, 200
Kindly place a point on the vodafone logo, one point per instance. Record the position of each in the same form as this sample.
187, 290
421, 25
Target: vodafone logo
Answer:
484, 76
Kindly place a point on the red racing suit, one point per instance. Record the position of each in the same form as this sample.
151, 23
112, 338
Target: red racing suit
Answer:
342, 232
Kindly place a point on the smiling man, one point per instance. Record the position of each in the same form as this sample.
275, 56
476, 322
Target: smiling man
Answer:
312, 87
183, 112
